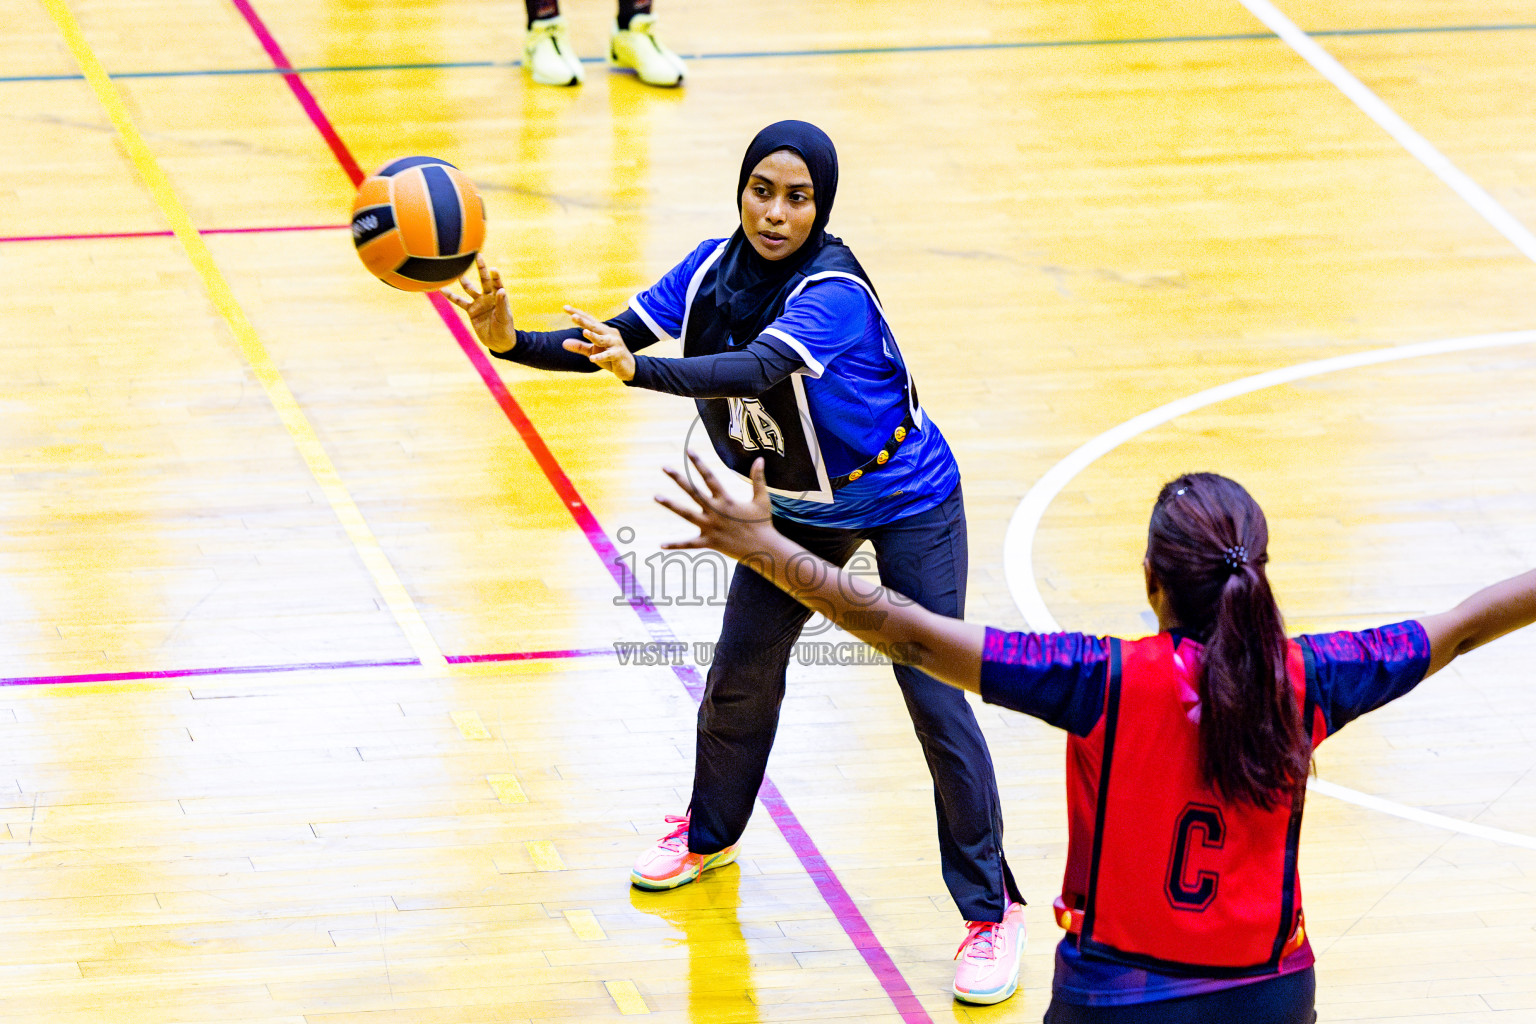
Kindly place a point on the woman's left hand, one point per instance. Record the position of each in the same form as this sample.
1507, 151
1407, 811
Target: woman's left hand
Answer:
603, 346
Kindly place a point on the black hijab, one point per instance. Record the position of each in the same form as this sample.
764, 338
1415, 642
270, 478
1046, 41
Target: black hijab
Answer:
747, 286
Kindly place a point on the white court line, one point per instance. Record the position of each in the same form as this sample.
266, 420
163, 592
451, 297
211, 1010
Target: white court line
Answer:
1019, 541
1375, 803
1377, 110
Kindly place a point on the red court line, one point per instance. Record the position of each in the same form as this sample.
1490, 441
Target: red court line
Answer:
479, 659
821, 874
281, 227
300, 91
312, 666
825, 879
168, 234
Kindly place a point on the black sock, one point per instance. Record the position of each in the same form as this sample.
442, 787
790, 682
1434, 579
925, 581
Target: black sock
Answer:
629, 8
542, 9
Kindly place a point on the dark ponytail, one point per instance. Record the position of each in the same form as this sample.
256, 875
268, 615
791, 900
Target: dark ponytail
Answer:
1207, 545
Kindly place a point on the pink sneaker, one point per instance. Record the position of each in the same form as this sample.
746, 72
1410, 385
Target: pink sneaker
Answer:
989, 958
668, 864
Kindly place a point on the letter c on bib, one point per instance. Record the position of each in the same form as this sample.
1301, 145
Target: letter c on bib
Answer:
1187, 889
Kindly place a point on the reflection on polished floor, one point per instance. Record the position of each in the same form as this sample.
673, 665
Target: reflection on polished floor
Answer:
309, 610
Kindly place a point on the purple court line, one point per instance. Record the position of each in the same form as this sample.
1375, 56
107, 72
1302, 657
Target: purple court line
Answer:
169, 234
183, 673
842, 905
312, 666
826, 881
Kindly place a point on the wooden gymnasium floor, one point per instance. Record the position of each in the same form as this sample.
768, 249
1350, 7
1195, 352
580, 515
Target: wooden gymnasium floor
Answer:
314, 712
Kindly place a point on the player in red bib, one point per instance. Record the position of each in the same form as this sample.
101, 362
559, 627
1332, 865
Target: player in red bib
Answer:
1189, 750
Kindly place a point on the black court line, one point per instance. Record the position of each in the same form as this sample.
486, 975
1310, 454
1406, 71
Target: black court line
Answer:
863, 51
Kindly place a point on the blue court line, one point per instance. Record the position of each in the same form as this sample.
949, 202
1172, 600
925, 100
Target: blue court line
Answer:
848, 52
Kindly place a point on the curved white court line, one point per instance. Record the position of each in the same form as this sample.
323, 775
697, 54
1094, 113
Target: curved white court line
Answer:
1019, 541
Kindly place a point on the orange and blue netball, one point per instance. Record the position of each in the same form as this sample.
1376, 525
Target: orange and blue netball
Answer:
417, 223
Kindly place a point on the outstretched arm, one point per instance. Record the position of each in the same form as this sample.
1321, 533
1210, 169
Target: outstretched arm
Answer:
1486, 615
490, 314
601, 343
948, 649
738, 373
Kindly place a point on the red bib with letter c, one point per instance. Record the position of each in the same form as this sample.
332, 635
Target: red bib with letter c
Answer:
1170, 876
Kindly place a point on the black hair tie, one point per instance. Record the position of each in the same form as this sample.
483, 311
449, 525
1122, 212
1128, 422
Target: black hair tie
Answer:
1235, 558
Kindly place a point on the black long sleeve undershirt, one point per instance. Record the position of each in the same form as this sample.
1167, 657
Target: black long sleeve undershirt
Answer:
544, 350
744, 373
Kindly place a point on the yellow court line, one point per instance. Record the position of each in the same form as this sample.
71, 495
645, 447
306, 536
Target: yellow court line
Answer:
584, 924
255, 353
544, 855
471, 726
626, 997
507, 789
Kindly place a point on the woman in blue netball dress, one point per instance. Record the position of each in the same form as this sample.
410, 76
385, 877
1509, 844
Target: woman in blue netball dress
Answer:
789, 357
1187, 754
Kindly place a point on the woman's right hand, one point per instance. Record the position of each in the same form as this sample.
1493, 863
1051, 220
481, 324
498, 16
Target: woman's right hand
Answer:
738, 529
490, 314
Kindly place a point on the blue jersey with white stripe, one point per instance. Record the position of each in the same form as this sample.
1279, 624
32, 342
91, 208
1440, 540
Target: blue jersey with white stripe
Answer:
855, 388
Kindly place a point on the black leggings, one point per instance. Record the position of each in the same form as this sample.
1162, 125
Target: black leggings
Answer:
923, 557
550, 8
1287, 999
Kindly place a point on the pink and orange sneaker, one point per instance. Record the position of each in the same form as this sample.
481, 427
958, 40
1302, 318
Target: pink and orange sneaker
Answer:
668, 864
989, 958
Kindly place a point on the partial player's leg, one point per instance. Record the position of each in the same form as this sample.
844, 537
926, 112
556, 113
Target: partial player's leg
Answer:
738, 717
924, 557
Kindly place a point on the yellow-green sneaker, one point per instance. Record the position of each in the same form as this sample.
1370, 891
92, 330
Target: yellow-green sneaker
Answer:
638, 49
547, 54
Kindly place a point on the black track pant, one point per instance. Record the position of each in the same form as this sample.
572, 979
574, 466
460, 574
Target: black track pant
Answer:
924, 557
